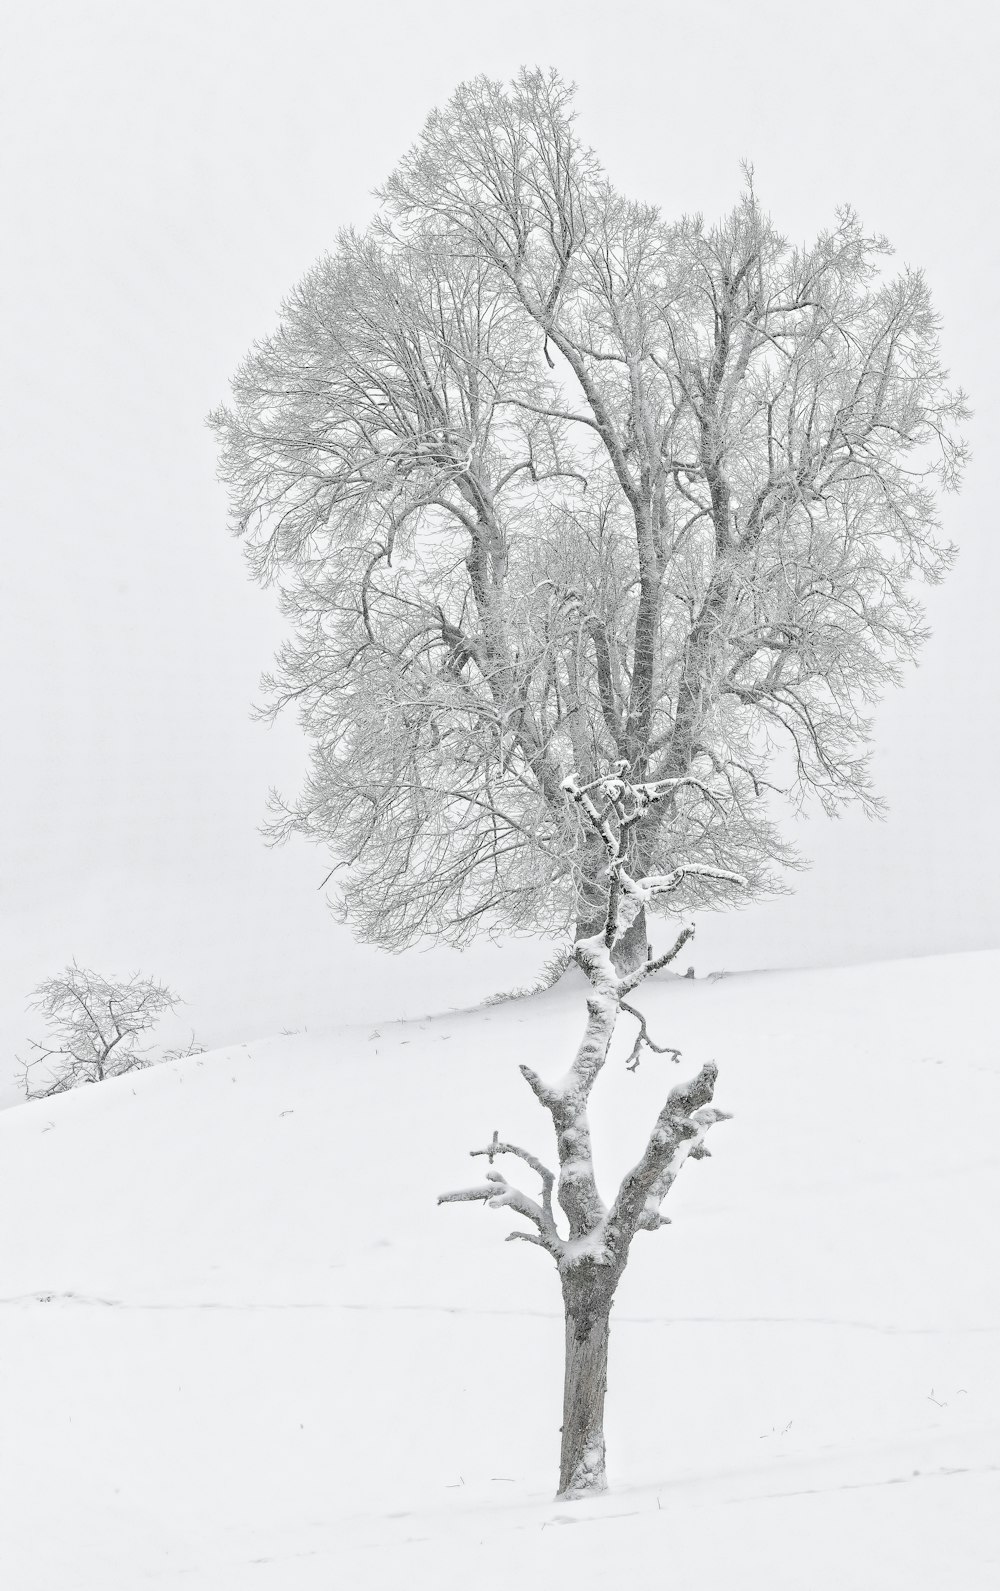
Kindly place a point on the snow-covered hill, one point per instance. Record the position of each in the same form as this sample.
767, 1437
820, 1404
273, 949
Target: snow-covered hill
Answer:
243, 1347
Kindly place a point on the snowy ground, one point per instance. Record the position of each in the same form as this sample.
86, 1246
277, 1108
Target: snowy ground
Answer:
241, 1347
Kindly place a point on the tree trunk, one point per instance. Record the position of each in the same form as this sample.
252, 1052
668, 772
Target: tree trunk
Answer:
581, 1461
632, 948
592, 905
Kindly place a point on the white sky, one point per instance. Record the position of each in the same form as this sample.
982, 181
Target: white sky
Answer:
169, 173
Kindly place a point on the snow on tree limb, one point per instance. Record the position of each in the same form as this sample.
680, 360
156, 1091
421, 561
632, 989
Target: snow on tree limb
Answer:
656, 964
624, 804
498, 1193
483, 1193
644, 889
546, 1177
498, 1148
679, 1131
566, 1102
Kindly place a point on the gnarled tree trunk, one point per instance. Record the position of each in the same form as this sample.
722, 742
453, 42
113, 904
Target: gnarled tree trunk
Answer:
631, 947
592, 1255
587, 1297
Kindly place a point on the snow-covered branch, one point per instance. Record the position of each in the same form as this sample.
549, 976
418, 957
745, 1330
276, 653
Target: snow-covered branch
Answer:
498, 1193
545, 1176
678, 1135
655, 964
646, 889
624, 804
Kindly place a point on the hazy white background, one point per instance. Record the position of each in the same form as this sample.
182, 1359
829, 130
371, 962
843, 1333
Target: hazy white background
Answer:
169, 172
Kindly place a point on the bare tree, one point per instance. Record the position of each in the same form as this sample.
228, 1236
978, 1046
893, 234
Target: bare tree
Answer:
592, 1253
546, 483
596, 534
96, 1028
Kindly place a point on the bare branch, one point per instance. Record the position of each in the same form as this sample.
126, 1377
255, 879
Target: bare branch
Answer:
542, 1171
679, 1131
478, 1195
657, 963
643, 1039
498, 1193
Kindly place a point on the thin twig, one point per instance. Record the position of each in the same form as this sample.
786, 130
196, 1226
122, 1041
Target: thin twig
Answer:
643, 1039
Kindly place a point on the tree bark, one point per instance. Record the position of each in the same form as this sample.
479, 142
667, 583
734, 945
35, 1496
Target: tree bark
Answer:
632, 947
581, 1461
631, 950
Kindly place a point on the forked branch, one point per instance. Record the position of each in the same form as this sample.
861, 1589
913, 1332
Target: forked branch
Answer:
498, 1193
643, 1040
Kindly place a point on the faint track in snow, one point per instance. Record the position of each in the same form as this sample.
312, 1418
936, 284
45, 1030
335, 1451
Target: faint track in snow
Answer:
705, 1497
237, 1306
945, 1472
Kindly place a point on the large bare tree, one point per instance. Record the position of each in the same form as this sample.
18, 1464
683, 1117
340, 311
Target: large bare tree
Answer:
546, 483
596, 535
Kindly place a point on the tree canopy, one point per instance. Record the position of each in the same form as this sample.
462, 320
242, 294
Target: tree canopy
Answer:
551, 485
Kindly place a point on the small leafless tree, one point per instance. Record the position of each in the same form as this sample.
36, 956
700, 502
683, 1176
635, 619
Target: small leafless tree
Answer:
546, 482
593, 1251
96, 1028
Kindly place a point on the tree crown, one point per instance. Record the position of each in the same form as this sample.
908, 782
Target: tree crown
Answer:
548, 483
96, 1025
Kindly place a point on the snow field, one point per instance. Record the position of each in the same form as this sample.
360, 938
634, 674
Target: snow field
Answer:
241, 1346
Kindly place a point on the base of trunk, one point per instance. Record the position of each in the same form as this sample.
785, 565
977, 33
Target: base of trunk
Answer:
589, 1479
581, 1464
